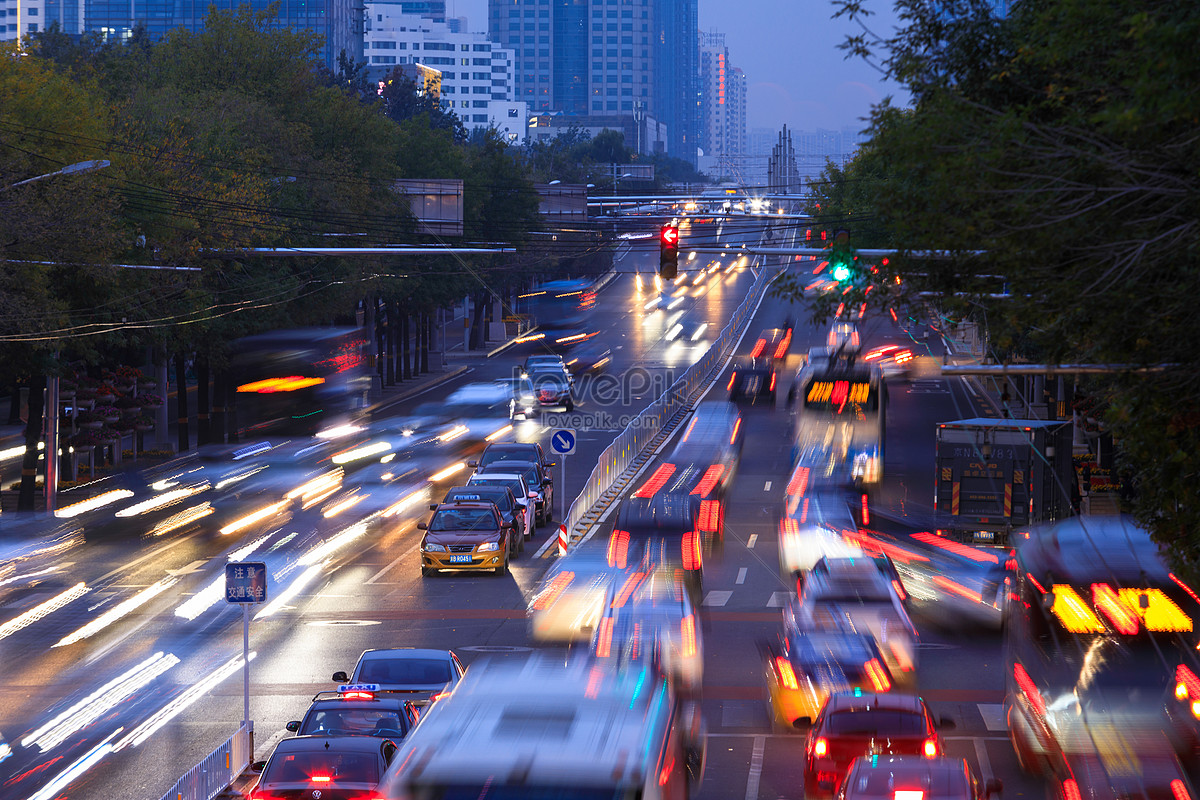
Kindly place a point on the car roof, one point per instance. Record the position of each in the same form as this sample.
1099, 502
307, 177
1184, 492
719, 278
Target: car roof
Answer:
353, 744
660, 512
405, 652
502, 447
937, 777
1083, 550
892, 701
480, 504
380, 700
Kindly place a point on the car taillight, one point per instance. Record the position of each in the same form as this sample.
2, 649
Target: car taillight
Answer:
710, 516
687, 629
930, 749
618, 549
732, 378
604, 638
820, 747
787, 675
879, 678
320, 778
772, 382
436, 696
691, 550
1179, 790
1071, 790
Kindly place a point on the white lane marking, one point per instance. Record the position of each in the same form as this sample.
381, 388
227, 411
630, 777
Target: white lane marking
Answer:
717, 597
756, 765
985, 763
374, 578
993, 716
751, 541
778, 599
741, 578
767, 487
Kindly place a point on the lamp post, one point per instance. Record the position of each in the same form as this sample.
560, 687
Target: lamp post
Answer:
51, 408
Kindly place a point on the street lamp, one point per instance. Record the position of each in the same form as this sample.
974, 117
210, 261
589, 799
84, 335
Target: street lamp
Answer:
51, 410
70, 169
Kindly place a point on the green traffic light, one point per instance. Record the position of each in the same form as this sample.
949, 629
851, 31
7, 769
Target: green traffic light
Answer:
841, 273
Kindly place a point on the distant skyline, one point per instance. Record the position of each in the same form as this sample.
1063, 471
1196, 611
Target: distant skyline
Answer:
789, 51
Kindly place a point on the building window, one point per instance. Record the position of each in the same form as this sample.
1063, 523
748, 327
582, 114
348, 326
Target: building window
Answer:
479, 118
597, 106
32, 25
482, 48
612, 105
512, 112
31, 12
479, 104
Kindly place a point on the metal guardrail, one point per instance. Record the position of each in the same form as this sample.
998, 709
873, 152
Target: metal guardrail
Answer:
633, 446
217, 771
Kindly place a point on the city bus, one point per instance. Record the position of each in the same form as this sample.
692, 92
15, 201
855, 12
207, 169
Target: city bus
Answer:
299, 381
1102, 694
563, 305
840, 411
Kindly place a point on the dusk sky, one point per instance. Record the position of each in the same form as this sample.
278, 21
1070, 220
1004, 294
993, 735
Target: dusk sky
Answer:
788, 50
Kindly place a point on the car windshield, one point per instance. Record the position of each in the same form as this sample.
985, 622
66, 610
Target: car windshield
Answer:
501, 499
343, 721
524, 791
324, 766
463, 519
516, 385
404, 670
515, 484
548, 380
876, 722
510, 453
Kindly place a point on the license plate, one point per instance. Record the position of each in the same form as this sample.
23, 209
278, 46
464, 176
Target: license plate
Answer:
463, 559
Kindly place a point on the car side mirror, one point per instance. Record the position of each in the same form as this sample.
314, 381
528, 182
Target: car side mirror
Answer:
473, 464
421, 526
293, 726
992, 787
802, 723
258, 766
341, 677
946, 723
433, 506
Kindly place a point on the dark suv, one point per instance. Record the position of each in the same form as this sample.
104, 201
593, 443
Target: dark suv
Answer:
524, 451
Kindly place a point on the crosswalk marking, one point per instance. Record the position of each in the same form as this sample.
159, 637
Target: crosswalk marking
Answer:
993, 716
778, 599
717, 598
741, 578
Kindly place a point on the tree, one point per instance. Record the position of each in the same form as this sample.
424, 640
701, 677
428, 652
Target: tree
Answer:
1061, 141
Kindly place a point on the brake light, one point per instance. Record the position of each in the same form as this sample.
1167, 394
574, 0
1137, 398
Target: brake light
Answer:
1179, 790
759, 346
772, 387
557, 586
1109, 604
691, 550
908, 794
878, 676
732, 378
618, 549
736, 425
709, 481
930, 748
627, 588
899, 590
799, 482
687, 629
781, 351
866, 512
1072, 612
604, 638
1030, 689
1186, 684
820, 747
710, 516
1071, 790
787, 675
656, 482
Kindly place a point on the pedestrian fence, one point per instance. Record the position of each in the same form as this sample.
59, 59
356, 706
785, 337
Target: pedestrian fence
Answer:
635, 445
217, 771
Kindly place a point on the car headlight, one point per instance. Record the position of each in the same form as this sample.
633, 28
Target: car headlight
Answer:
433, 548
488, 546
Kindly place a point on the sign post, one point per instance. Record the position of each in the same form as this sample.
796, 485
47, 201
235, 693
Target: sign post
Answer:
562, 444
246, 584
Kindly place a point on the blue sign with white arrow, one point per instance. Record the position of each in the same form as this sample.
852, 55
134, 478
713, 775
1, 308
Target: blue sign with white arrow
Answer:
562, 442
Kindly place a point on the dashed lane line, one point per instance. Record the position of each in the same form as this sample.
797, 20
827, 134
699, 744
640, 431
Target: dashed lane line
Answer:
751, 541
741, 576
756, 765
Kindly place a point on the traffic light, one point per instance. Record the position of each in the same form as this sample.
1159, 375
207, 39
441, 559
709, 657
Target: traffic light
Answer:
668, 252
842, 258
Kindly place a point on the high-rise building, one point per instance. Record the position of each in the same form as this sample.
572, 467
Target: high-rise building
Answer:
474, 77
722, 120
605, 58
339, 21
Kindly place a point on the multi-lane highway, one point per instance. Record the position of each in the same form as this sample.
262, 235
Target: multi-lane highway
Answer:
153, 691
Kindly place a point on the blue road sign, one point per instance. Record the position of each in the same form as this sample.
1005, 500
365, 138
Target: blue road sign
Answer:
562, 441
246, 582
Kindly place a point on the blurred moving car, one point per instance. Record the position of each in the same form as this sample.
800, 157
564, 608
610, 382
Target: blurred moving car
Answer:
483, 408
651, 617
357, 710
544, 362
525, 400
894, 360
773, 343
656, 531
853, 724
866, 602
753, 380
515, 483
406, 669
915, 778
537, 727
332, 768
467, 535
804, 667
553, 389
571, 598
590, 357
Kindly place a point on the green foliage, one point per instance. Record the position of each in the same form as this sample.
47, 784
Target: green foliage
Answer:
1060, 141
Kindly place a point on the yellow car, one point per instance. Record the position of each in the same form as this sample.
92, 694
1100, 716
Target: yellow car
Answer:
467, 536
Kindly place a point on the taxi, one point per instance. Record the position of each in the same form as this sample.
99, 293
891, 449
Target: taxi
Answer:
357, 710
514, 515
467, 535
804, 667
323, 767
